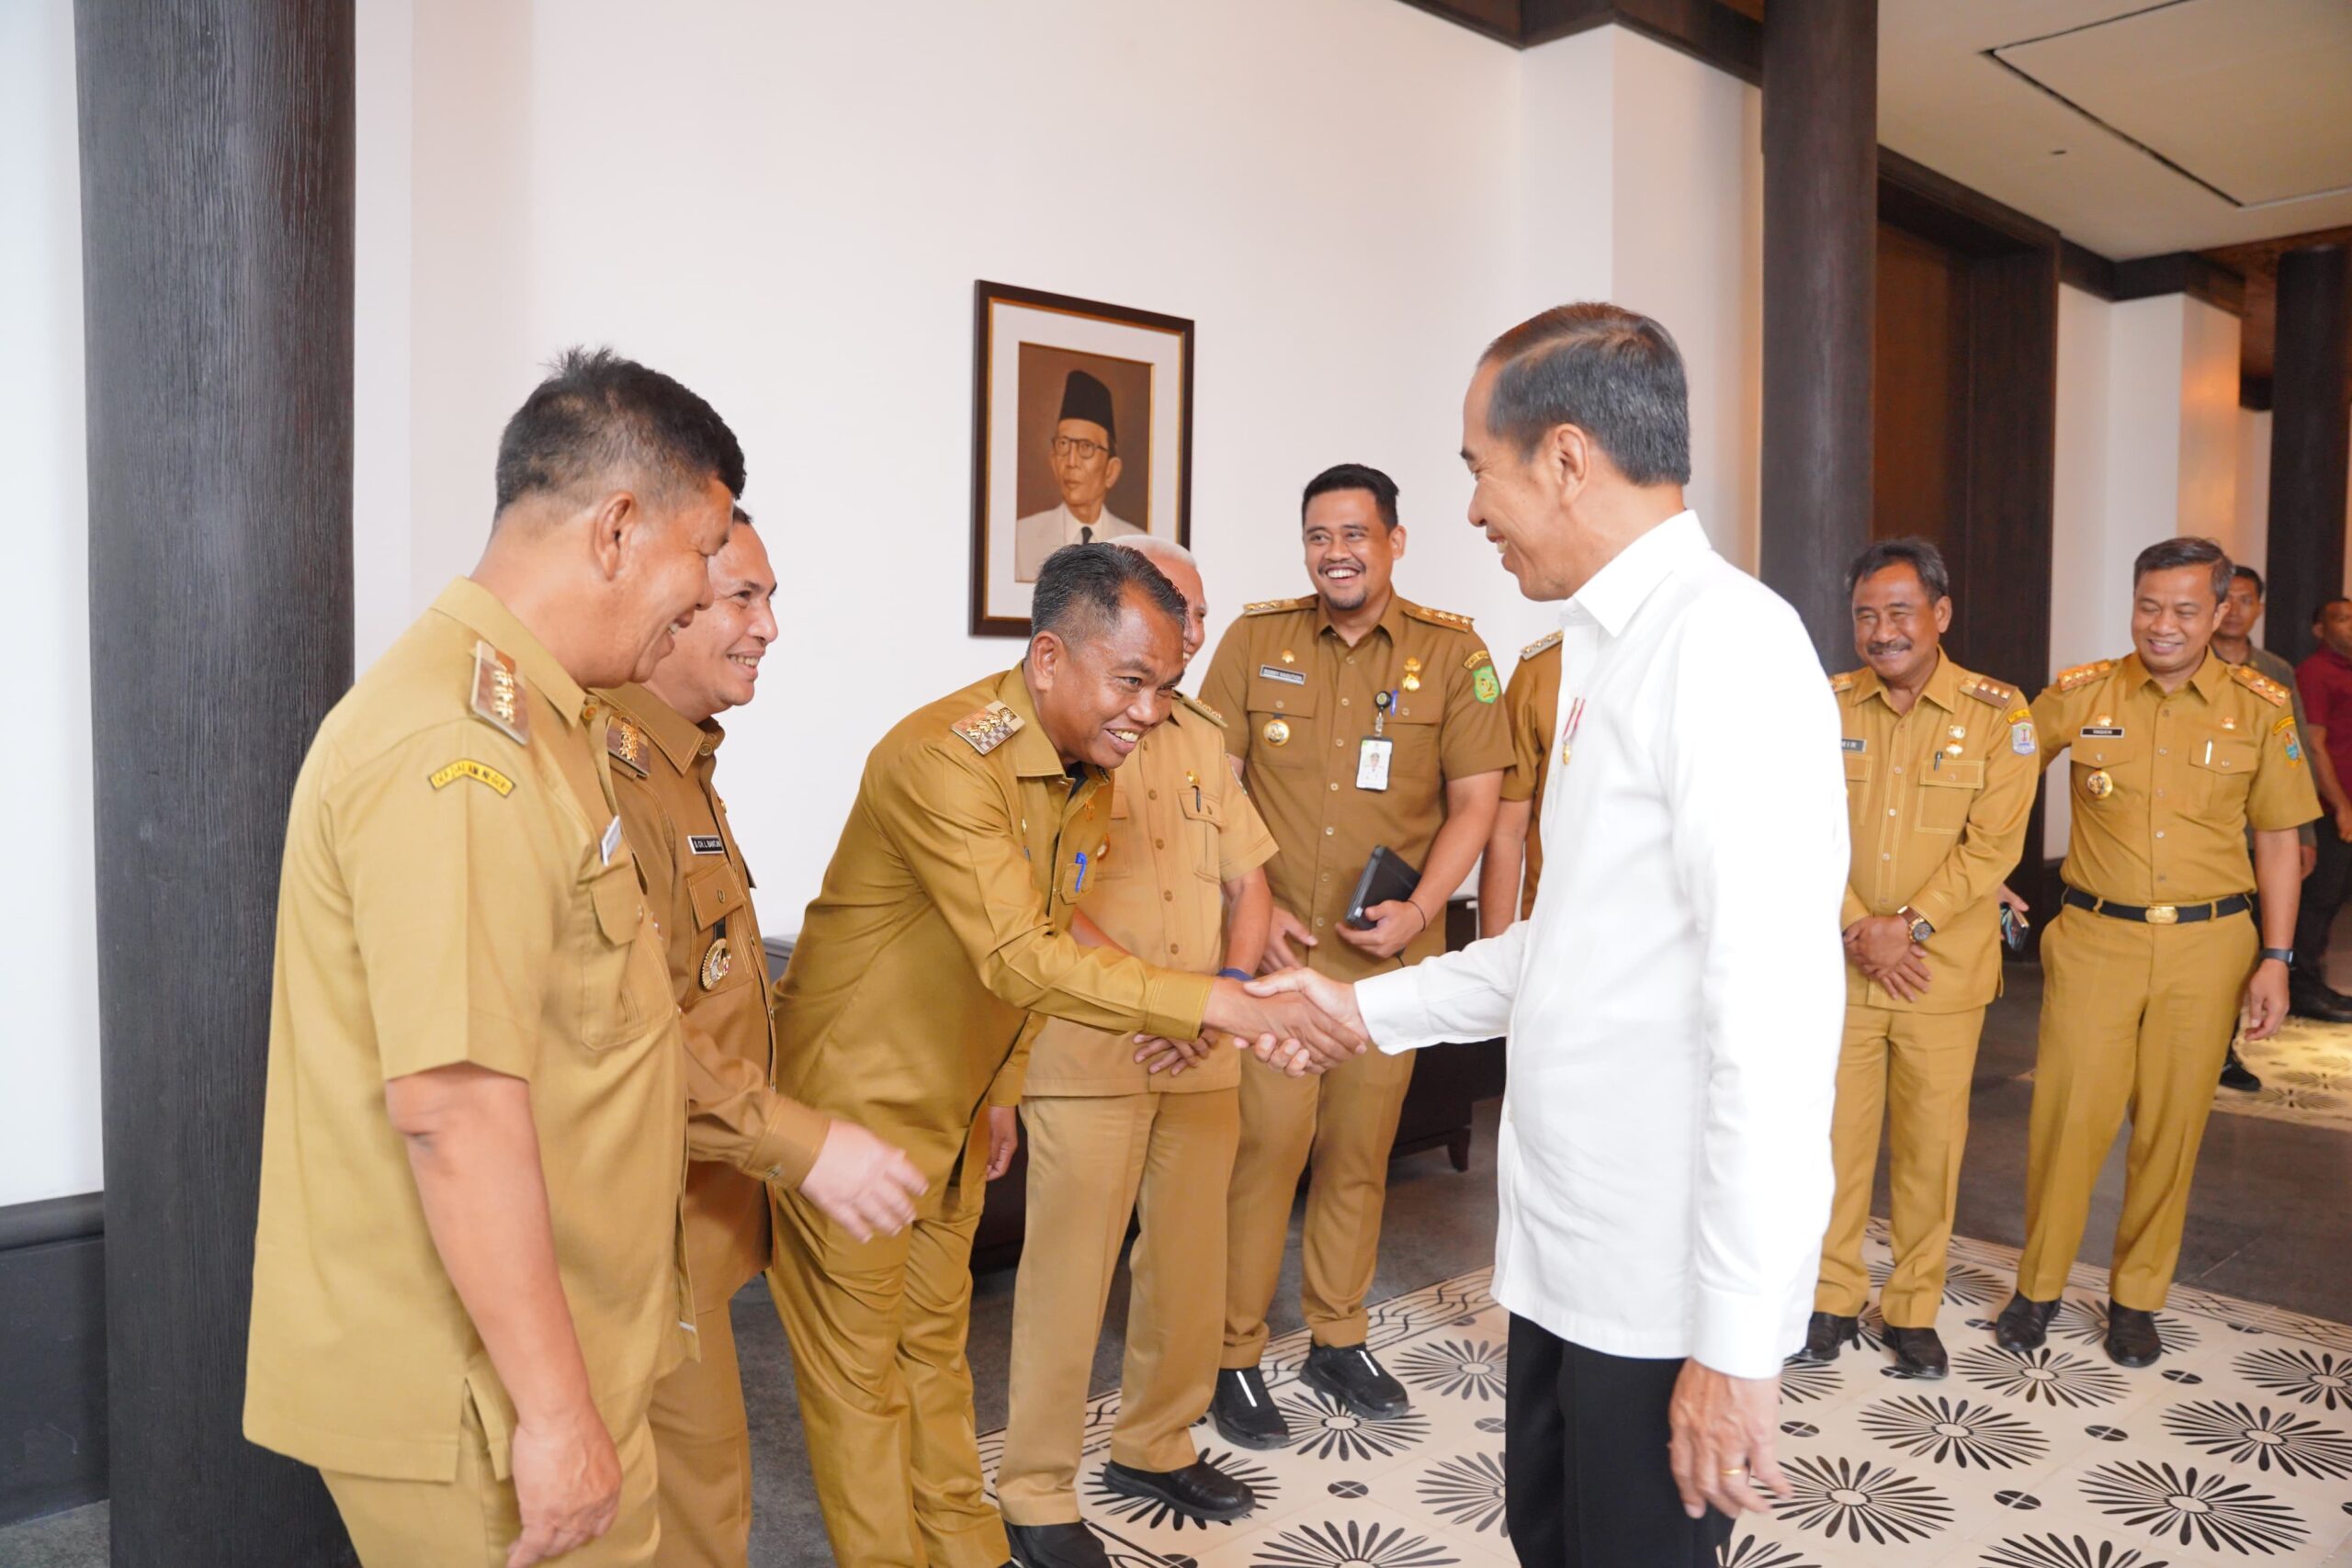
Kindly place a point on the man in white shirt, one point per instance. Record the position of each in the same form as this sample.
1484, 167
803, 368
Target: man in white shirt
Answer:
1673, 1003
1085, 451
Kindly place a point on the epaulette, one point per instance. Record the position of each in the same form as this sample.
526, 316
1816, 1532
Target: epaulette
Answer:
1435, 617
1544, 644
1842, 682
1203, 708
1990, 692
2261, 685
499, 699
1275, 606
985, 731
628, 745
2082, 674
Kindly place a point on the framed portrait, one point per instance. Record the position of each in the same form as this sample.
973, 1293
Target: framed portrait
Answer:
1082, 430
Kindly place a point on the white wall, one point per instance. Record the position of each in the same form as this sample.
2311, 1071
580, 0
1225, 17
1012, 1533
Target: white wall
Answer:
48, 1050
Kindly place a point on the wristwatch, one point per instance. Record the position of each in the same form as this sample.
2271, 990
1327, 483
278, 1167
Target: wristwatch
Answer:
1921, 928
2283, 954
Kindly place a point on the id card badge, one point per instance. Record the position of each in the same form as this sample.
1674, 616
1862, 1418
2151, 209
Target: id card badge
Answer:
1371, 763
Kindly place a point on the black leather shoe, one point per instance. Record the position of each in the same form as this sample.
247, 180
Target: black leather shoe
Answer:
2132, 1337
1200, 1489
1056, 1546
1348, 1374
2235, 1074
1825, 1335
2308, 998
2024, 1324
1919, 1353
1244, 1411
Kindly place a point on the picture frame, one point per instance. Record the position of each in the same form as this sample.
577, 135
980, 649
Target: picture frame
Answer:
1081, 427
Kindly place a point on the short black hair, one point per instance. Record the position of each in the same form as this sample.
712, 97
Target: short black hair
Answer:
2324, 606
2242, 569
2189, 549
1081, 590
1919, 554
1614, 374
1354, 476
598, 413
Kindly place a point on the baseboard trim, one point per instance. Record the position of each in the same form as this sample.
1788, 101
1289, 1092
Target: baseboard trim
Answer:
52, 1355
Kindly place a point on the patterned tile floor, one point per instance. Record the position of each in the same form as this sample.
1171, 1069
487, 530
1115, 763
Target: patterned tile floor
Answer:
2236, 1447
2306, 1072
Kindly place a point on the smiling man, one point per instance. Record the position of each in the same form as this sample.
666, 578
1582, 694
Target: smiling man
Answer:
1084, 451
945, 932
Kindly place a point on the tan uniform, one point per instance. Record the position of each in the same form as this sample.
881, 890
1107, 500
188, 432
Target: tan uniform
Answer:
940, 926
1106, 1135
1531, 709
457, 888
1299, 704
741, 1134
1937, 800
2136, 1015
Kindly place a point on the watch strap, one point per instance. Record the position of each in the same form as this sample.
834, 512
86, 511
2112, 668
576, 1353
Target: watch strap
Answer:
2283, 954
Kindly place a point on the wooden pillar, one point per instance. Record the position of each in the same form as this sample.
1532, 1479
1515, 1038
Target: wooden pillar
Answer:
217, 171
2311, 430
1820, 302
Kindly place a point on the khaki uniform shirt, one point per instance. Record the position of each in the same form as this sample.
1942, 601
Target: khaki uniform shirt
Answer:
941, 925
1298, 703
1531, 708
741, 1134
2165, 784
458, 888
1179, 829
1937, 800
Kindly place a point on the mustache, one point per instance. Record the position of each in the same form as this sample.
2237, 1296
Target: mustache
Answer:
1897, 645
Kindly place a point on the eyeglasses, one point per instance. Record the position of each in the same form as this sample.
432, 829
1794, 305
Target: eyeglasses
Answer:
1087, 450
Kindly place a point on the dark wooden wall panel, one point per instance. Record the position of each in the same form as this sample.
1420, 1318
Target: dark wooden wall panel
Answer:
1919, 390
2309, 436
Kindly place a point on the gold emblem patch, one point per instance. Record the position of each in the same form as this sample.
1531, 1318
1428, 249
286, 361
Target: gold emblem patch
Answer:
480, 772
988, 729
2098, 787
716, 963
1277, 732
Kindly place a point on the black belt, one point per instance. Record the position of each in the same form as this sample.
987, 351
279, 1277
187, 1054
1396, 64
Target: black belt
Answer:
2159, 914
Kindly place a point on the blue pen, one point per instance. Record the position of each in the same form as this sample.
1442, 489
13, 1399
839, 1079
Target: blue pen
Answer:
1081, 886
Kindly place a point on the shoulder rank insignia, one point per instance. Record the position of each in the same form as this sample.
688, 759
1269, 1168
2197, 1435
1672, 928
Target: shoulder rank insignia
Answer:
1275, 606
498, 694
2261, 685
1990, 692
1203, 708
1543, 644
1435, 617
628, 745
2082, 674
1477, 657
467, 767
1843, 682
988, 729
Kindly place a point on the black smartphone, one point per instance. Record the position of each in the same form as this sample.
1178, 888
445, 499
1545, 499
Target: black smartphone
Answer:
2013, 928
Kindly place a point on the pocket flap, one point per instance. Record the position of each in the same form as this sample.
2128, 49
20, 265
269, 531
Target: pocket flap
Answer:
2233, 756
1270, 696
716, 893
1857, 767
621, 903
1207, 810
1955, 775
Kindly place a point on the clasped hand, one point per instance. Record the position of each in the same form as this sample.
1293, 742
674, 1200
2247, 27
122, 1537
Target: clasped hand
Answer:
1881, 948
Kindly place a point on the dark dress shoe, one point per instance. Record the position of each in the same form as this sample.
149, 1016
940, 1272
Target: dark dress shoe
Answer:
1200, 1489
1348, 1374
1825, 1335
2024, 1324
1244, 1411
2235, 1074
2307, 997
1056, 1546
1919, 1353
2132, 1337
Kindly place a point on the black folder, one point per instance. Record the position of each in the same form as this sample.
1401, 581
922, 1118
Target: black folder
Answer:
1388, 877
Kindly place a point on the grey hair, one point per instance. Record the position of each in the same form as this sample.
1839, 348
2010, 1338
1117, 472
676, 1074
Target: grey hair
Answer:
1610, 372
1157, 547
2189, 549
1920, 556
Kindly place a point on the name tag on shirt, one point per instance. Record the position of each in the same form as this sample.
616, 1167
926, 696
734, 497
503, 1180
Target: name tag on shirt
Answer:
707, 844
610, 845
1854, 744
1287, 677
2102, 732
1371, 763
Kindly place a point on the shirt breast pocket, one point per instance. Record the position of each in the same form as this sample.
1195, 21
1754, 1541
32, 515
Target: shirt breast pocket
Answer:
1283, 728
616, 1003
716, 895
1946, 793
1204, 825
2108, 770
1118, 860
1418, 727
2222, 773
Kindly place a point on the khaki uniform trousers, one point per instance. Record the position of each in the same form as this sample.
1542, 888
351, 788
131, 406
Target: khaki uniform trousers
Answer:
1092, 1162
878, 1333
1913, 1070
1347, 1118
703, 1442
2135, 1017
474, 1520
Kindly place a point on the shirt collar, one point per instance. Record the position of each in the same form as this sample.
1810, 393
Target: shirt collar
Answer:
471, 605
1033, 756
680, 737
1618, 589
2209, 680
1392, 619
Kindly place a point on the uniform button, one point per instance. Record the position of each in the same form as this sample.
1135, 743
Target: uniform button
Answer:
1341, 741
1327, 876
2163, 752
1886, 857
1159, 843
1343, 702
2160, 795
2160, 832
1335, 785
1318, 922
1898, 769
1172, 950
1352, 659
1169, 897
1278, 706
1153, 793
1890, 811
1329, 832
775, 1173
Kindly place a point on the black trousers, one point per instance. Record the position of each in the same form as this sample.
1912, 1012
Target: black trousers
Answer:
1587, 1480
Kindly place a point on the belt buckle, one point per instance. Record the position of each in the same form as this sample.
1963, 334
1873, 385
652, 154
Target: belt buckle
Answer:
2163, 914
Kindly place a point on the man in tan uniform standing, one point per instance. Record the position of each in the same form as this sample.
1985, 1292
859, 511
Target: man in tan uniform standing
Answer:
1513, 863
1361, 720
1939, 779
1111, 1136
2174, 754
944, 922
663, 738
467, 1274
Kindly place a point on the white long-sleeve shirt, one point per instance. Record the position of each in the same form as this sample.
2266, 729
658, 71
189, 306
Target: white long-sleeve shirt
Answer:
1674, 1002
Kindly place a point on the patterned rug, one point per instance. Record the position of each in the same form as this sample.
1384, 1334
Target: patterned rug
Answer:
2306, 1072
2236, 1447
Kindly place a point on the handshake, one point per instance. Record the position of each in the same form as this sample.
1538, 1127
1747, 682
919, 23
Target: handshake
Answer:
1294, 1020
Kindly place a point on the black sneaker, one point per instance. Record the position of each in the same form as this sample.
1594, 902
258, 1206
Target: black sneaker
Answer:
1056, 1546
1348, 1374
2024, 1324
1244, 1411
1199, 1491
1826, 1335
2235, 1074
